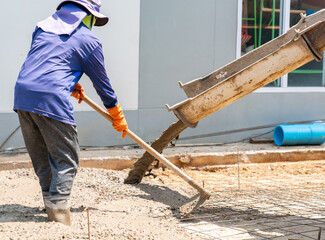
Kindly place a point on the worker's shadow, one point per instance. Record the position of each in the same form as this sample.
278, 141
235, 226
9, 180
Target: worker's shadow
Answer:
21, 213
162, 194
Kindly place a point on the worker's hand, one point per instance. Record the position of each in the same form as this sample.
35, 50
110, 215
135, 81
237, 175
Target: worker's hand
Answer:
78, 92
119, 122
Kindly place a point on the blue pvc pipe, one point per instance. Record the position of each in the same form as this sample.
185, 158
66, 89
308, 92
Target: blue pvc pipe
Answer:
299, 134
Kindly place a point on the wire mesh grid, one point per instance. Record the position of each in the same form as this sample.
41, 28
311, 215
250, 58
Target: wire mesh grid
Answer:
261, 215
265, 209
267, 203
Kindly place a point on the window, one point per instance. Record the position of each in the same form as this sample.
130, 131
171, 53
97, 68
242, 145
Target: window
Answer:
264, 20
310, 74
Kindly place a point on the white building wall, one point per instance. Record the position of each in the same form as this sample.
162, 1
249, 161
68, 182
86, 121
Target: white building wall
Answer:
120, 40
180, 40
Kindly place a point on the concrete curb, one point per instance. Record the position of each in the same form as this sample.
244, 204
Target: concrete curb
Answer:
256, 156
191, 159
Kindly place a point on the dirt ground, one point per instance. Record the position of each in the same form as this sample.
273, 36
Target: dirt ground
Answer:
117, 211
145, 211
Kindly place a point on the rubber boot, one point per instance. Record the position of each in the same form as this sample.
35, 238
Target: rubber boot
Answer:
57, 209
59, 215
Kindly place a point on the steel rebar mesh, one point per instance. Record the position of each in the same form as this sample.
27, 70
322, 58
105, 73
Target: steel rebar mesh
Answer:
273, 201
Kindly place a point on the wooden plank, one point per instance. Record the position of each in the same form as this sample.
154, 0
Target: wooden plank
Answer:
278, 10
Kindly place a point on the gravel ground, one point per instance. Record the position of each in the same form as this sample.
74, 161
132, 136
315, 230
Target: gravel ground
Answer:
244, 196
117, 211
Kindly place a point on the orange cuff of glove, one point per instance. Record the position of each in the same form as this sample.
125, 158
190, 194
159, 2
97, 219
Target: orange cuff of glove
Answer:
119, 122
78, 92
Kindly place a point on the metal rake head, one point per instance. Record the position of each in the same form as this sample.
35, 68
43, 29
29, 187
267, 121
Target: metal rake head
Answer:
203, 196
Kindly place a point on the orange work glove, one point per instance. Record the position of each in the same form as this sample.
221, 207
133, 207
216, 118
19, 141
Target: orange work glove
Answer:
119, 122
78, 92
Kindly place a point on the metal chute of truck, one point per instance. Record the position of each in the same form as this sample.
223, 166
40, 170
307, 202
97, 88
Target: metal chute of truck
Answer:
301, 44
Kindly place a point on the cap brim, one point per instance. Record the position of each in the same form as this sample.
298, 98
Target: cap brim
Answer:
101, 19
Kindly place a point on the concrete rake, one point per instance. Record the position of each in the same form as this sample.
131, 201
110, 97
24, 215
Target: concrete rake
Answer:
202, 196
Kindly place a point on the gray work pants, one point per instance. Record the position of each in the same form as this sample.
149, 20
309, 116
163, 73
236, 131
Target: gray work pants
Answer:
54, 150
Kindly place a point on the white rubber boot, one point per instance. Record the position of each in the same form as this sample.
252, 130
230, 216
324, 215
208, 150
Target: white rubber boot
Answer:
59, 215
57, 210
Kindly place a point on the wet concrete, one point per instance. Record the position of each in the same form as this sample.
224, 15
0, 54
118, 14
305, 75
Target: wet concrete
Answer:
142, 164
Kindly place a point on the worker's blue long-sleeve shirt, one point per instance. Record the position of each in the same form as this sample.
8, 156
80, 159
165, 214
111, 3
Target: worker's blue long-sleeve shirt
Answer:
54, 64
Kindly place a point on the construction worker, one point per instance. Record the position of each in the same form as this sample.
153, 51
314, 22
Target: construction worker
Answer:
63, 48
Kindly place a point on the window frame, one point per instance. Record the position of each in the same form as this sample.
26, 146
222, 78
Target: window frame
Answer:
284, 27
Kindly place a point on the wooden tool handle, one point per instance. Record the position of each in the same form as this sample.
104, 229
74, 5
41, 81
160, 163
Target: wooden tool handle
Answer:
148, 148
98, 109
